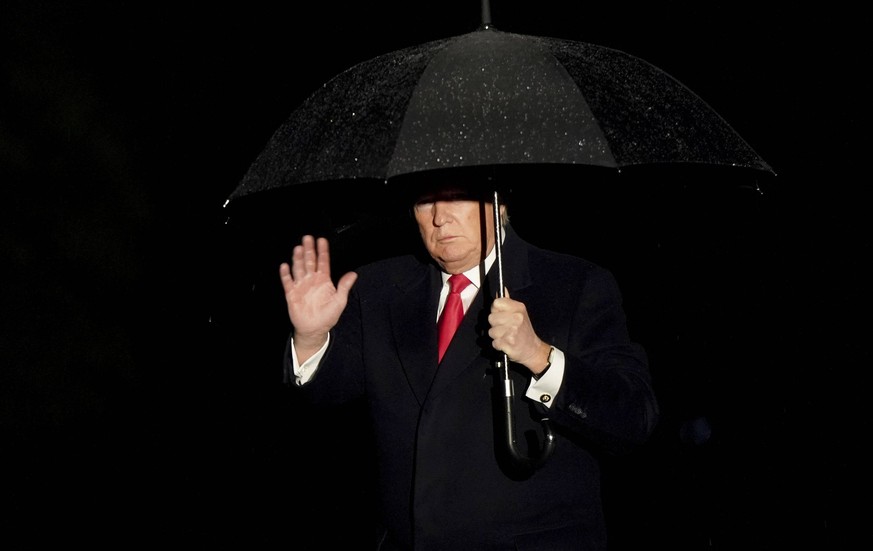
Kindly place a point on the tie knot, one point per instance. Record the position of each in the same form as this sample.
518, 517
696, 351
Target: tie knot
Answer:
458, 283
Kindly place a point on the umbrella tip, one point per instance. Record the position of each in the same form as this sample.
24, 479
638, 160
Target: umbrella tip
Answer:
486, 15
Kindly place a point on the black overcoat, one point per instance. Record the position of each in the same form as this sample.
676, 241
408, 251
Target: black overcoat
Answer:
443, 480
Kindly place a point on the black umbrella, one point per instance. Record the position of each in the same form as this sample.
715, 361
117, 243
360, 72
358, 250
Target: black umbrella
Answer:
490, 99
494, 98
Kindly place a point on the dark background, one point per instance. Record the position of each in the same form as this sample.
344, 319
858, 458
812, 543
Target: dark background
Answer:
141, 329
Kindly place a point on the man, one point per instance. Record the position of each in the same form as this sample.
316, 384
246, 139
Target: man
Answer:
444, 479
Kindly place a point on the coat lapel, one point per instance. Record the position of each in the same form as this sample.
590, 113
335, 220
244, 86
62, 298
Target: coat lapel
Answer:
413, 324
472, 342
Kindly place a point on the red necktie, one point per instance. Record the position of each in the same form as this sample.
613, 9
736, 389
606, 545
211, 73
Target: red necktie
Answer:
453, 312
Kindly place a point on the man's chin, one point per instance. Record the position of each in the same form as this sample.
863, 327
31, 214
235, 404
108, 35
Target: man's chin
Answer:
456, 264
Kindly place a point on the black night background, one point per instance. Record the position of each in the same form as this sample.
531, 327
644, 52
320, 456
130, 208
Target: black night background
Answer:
142, 331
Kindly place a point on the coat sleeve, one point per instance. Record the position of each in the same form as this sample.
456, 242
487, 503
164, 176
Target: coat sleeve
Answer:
606, 395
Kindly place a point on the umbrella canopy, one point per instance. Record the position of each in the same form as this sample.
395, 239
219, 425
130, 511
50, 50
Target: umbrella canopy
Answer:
492, 98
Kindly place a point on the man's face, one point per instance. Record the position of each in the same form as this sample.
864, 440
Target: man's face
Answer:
453, 227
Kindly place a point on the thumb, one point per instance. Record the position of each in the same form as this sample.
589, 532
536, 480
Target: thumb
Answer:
344, 285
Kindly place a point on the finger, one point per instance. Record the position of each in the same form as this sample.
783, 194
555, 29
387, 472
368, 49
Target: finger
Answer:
323, 256
285, 276
284, 272
497, 333
497, 318
502, 345
501, 305
309, 256
297, 267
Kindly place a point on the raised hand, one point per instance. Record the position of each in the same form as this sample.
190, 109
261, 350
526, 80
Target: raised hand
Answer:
314, 303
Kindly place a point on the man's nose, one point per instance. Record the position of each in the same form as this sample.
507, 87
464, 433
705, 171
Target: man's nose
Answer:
442, 212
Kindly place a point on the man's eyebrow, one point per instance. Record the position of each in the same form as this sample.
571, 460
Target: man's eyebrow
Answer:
459, 194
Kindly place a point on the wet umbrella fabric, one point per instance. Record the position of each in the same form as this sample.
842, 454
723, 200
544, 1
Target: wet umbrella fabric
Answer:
491, 98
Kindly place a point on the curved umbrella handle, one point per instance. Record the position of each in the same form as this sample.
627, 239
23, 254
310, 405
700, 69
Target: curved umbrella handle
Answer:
520, 460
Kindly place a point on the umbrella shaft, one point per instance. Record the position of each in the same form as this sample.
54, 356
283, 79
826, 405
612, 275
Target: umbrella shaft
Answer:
498, 245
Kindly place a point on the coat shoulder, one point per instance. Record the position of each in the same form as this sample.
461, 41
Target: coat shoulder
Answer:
561, 265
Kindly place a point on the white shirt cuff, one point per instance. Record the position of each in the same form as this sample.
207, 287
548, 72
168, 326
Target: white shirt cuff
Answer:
304, 372
544, 389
